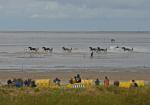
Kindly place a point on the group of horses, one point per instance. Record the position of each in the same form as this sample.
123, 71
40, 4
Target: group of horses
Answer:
46, 49
37, 49
93, 49
98, 49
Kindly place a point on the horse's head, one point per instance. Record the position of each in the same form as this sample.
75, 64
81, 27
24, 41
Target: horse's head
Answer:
123, 47
91, 48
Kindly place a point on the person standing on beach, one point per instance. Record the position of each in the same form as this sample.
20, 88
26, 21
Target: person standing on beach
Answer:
106, 81
92, 54
97, 82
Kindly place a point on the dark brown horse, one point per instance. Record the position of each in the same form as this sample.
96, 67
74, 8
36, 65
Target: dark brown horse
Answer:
127, 49
101, 49
93, 49
33, 49
67, 49
47, 49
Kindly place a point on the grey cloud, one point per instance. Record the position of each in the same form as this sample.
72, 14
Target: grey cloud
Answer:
76, 8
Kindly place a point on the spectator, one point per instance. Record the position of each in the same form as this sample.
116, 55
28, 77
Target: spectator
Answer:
9, 82
78, 78
106, 81
57, 81
116, 83
134, 84
71, 81
97, 82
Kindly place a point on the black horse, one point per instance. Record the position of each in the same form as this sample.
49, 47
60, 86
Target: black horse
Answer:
127, 49
93, 49
101, 49
33, 49
67, 49
47, 49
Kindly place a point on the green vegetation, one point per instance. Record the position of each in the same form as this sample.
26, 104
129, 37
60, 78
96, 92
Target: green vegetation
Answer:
90, 96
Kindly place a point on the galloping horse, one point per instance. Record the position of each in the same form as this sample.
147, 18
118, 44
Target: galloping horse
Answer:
101, 49
33, 49
67, 49
127, 49
47, 49
93, 49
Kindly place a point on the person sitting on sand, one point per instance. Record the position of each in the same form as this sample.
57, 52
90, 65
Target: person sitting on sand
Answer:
25, 83
57, 81
9, 82
106, 81
71, 81
116, 83
97, 82
33, 84
134, 84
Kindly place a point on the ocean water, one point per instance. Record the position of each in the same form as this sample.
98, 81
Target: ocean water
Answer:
14, 52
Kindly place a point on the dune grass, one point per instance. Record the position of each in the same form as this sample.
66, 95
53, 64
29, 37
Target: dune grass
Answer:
90, 96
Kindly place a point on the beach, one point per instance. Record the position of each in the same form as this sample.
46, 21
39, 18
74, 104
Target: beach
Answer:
65, 75
17, 61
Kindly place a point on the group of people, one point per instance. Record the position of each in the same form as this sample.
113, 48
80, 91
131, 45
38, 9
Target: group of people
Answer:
76, 79
116, 83
20, 83
106, 82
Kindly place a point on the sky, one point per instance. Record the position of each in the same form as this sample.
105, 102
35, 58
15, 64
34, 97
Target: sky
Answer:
74, 15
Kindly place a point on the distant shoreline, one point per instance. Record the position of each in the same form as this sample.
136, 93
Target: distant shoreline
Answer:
74, 31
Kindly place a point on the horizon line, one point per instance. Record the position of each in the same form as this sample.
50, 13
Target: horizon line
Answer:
17, 31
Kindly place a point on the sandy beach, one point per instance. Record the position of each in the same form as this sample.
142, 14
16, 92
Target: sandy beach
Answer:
65, 75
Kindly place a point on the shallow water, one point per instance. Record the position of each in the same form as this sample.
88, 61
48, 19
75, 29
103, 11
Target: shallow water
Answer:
14, 44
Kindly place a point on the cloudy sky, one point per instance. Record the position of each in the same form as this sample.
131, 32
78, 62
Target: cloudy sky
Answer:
75, 15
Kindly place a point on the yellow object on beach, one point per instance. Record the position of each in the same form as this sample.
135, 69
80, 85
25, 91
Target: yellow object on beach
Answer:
87, 83
140, 83
69, 86
45, 83
127, 84
124, 84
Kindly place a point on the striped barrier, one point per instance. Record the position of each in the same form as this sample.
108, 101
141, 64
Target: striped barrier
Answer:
78, 85
75, 86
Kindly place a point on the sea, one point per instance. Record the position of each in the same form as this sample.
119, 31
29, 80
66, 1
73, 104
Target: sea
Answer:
15, 55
